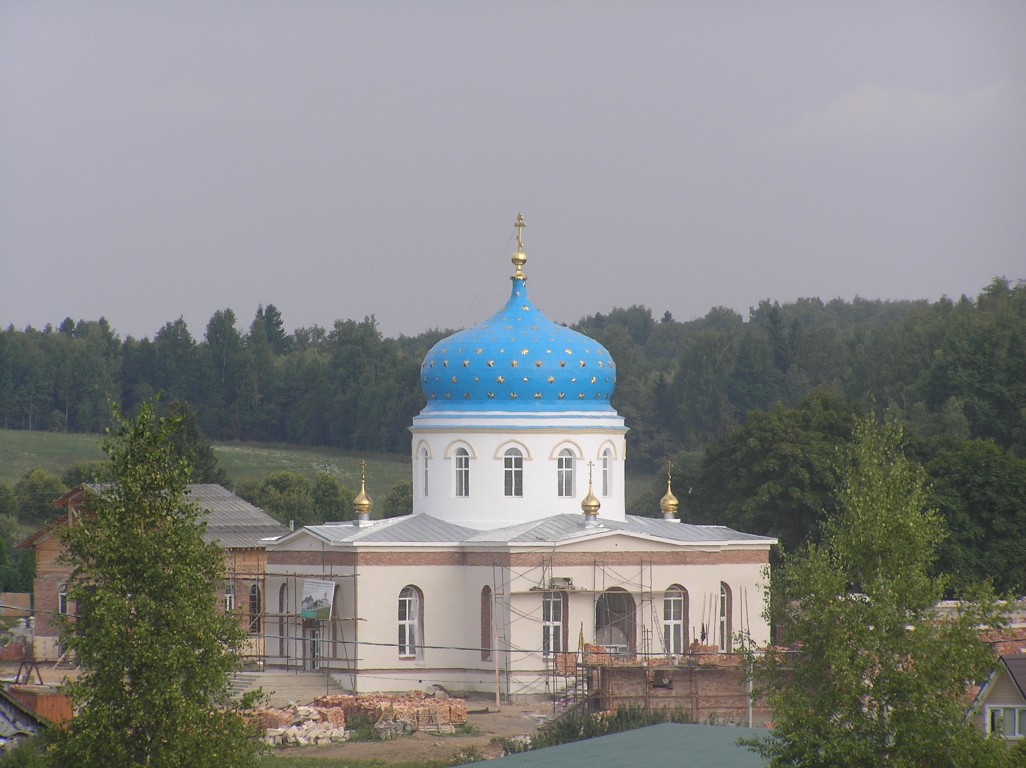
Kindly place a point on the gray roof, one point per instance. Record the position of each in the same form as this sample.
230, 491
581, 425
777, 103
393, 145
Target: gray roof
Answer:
564, 528
696, 746
232, 521
410, 529
1016, 665
424, 529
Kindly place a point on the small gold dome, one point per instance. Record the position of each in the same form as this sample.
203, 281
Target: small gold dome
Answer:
590, 505
519, 258
363, 503
668, 504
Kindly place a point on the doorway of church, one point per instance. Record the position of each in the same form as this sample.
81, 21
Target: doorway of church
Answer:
311, 648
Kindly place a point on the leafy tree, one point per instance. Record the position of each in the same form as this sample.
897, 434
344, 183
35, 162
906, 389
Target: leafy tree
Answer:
980, 491
35, 493
399, 501
285, 496
331, 500
155, 651
876, 677
192, 445
8, 502
81, 473
775, 475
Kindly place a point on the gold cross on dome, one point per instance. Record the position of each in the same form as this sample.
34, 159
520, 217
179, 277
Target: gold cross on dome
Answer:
520, 231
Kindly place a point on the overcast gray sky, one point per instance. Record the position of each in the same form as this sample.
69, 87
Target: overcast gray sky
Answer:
341, 159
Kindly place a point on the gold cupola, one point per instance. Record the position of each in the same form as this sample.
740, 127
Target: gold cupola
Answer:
363, 502
519, 258
590, 505
668, 504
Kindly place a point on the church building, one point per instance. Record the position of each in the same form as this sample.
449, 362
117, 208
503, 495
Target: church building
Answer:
519, 550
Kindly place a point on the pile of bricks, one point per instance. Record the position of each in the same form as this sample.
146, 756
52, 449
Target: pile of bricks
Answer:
301, 726
416, 708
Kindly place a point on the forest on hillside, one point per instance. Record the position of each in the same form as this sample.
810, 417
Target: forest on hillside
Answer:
752, 411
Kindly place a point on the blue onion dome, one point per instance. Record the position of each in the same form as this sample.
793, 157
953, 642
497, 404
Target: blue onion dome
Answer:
518, 359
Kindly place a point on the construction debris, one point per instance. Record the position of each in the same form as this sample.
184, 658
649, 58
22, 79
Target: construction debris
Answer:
416, 707
324, 721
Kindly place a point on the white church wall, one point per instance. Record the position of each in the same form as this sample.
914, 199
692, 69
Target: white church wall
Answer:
487, 506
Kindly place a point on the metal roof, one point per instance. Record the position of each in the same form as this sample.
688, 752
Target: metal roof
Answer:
1016, 666
423, 529
410, 529
564, 528
696, 746
231, 520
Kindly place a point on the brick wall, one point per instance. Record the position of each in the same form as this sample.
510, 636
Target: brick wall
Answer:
706, 693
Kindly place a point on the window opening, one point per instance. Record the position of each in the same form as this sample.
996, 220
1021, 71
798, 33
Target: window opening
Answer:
565, 473
513, 473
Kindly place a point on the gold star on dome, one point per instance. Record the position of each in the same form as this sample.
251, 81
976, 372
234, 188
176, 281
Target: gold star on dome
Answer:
573, 380
551, 379
453, 379
512, 363
432, 365
491, 363
580, 396
466, 395
524, 379
593, 379
523, 352
561, 395
581, 362
448, 396
499, 380
512, 395
568, 351
600, 363
537, 363
491, 395
562, 363
477, 379
445, 363
478, 351
466, 363
537, 395
526, 308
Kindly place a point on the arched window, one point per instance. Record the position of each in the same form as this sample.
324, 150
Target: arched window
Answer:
675, 620
486, 623
255, 617
565, 473
726, 611
62, 600
462, 466
607, 460
283, 609
424, 468
411, 622
229, 597
513, 472
615, 628
554, 626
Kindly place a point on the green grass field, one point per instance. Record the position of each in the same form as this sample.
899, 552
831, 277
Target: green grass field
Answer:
21, 450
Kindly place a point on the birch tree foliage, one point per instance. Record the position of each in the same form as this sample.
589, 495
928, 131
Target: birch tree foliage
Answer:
877, 677
154, 649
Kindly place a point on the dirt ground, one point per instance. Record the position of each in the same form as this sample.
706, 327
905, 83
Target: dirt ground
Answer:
485, 721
